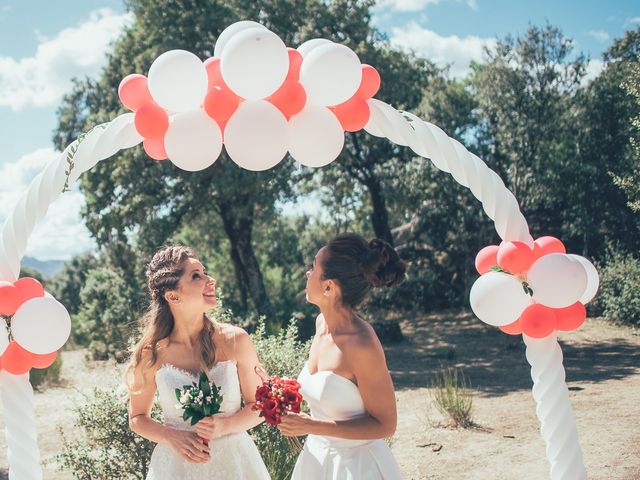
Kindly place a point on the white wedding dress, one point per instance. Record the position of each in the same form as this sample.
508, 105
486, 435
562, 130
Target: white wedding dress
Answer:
333, 397
233, 456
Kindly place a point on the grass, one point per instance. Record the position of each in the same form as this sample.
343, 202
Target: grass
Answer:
453, 398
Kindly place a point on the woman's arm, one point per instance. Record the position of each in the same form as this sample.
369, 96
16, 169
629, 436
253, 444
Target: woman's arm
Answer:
366, 359
141, 398
246, 418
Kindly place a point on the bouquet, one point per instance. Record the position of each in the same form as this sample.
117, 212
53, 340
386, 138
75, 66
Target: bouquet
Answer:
199, 400
275, 398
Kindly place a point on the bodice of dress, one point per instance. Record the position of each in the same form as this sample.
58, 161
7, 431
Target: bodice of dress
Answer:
169, 377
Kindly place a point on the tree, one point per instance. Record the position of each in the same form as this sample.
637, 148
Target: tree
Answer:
68, 282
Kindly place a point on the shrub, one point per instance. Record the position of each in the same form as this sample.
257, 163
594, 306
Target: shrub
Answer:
281, 354
104, 320
41, 377
106, 447
453, 397
619, 297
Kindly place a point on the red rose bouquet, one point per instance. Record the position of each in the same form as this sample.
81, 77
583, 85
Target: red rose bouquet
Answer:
275, 398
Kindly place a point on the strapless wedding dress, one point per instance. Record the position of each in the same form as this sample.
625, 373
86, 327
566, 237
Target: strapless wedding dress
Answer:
233, 456
333, 397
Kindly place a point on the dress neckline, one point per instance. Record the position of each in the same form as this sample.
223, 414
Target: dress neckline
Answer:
329, 372
187, 372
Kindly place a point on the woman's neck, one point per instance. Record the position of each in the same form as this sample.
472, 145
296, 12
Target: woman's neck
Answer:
337, 318
187, 328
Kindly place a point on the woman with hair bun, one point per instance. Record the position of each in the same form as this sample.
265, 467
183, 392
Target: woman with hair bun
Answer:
346, 380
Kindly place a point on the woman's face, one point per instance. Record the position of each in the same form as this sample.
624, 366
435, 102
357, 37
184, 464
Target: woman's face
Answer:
315, 288
195, 287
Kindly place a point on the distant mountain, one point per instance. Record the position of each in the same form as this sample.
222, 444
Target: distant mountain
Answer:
47, 268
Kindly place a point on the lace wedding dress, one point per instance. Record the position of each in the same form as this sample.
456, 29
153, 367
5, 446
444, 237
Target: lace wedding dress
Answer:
233, 456
333, 397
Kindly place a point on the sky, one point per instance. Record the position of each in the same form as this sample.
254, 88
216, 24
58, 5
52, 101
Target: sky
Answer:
44, 44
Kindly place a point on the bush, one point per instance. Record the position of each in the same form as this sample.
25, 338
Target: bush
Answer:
281, 354
619, 297
453, 398
104, 320
41, 377
107, 448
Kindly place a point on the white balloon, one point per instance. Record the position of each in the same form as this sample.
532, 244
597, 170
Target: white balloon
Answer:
254, 63
230, 31
309, 45
41, 325
498, 298
557, 280
193, 141
4, 336
593, 279
330, 74
256, 136
316, 137
178, 81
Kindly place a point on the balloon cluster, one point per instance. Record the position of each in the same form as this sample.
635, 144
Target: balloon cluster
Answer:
534, 291
40, 325
256, 96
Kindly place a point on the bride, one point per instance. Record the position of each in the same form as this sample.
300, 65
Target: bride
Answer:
345, 380
179, 341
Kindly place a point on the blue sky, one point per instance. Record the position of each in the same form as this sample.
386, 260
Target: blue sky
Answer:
44, 44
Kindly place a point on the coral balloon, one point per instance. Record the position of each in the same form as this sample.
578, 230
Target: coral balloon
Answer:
154, 147
29, 287
134, 91
290, 98
295, 62
16, 360
538, 321
515, 257
370, 83
353, 114
212, 66
151, 121
12, 295
220, 103
514, 328
571, 317
546, 245
44, 361
487, 258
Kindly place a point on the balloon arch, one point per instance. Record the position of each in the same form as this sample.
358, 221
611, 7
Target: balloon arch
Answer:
261, 100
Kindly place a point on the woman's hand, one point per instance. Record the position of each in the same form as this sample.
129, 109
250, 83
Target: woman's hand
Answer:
296, 424
189, 446
212, 427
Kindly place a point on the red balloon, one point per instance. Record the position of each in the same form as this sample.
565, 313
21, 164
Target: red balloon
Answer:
155, 148
44, 361
295, 62
487, 258
514, 328
16, 360
220, 103
370, 83
538, 321
290, 98
571, 317
29, 288
353, 114
134, 91
515, 257
546, 245
151, 121
9, 298
212, 66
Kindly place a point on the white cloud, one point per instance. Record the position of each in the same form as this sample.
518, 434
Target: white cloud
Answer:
632, 20
442, 50
594, 67
42, 79
417, 5
61, 233
600, 35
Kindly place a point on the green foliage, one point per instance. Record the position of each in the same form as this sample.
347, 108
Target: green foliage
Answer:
104, 321
452, 396
619, 296
40, 378
281, 354
67, 284
106, 448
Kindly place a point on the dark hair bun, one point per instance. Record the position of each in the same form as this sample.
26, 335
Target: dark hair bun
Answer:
381, 265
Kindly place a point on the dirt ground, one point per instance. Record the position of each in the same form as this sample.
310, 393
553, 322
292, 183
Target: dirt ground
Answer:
602, 362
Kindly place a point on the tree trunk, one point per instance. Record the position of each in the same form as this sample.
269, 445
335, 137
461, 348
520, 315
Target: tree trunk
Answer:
379, 215
238, 224
241, 279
